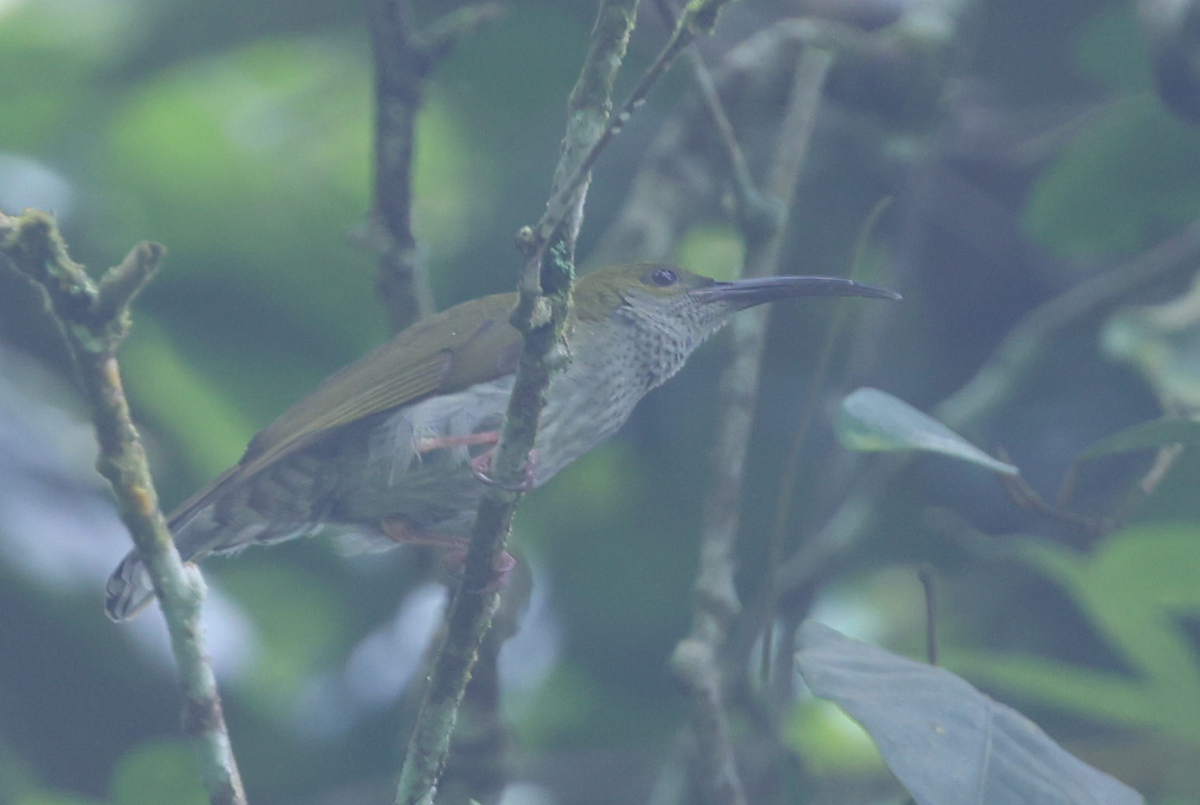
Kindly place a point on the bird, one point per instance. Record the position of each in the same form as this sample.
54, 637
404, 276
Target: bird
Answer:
392, 449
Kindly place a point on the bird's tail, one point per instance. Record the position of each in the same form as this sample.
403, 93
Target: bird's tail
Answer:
129, 589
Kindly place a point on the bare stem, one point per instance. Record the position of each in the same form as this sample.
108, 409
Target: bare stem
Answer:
1164, 459
790, 474
699, 16
929, 585
404, 58
94, 318
540, 316
695, 659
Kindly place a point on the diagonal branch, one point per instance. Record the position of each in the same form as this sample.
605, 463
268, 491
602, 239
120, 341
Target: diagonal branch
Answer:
1003, 375
94, 318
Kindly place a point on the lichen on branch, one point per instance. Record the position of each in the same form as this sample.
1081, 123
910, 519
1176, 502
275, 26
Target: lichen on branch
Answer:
94, 319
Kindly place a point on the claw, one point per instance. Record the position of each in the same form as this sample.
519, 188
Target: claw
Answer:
481, 465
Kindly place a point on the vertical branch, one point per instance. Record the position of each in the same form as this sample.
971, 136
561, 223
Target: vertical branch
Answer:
401, 66
540, 316
94, 318
544, 299
404, 59
716, 602
475, 768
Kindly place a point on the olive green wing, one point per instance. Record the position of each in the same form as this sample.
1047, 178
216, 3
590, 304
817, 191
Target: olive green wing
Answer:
462, 346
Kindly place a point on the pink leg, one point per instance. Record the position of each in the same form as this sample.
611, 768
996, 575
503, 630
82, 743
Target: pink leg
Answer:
453, 549
481, 465
490, 437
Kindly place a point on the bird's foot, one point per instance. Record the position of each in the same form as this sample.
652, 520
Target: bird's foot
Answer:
481, 467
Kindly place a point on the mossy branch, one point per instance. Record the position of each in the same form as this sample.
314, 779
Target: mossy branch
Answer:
545, 287
541, 318
94, 318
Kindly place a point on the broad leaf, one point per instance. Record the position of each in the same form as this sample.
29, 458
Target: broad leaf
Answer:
1132, 172
869, 420
1137, 589
945, 741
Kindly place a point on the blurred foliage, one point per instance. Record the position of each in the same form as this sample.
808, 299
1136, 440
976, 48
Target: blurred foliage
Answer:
1031, 156
1161, 669
156, 772
1131, 175
1163, 342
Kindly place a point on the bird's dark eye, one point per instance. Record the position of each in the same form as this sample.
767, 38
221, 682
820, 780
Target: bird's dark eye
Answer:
663, 277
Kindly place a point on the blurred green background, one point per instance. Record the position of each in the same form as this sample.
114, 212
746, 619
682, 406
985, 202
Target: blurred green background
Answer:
1026, 152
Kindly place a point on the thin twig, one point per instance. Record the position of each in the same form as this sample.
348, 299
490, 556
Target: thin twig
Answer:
790, 474
1027, 497
929, 586
1067, 488
1002, 377
404, 58
698, 17
1164, 459
680, 173
716, 603
540, 316
94, 318
753, 211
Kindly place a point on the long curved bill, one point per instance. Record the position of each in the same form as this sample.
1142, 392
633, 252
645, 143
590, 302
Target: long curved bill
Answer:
749, 292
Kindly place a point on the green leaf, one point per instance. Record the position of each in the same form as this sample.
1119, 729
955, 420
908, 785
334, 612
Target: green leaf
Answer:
943, 739
155, 773
711, 250
871, 420
1134, 588
1133, 173
53, 798
1146, 436
210, 428
297, 616
1110, 48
